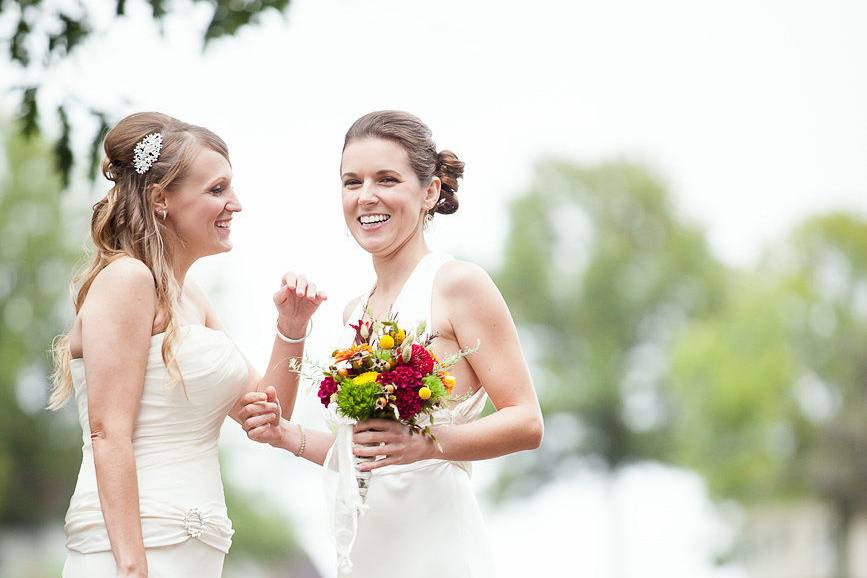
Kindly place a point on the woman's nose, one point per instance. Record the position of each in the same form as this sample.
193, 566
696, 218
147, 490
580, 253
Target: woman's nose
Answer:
367, 194
233, 203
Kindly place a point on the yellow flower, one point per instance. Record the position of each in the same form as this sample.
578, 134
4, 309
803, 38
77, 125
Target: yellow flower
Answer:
424, 392
449, 382
366, 377
386, 342
401, 335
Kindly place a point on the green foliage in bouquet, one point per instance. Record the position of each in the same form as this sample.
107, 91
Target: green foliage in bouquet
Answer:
436, 386
356, 400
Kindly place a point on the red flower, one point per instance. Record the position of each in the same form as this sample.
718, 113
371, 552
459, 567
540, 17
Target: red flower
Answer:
403, 377
408, 402
361, 324
407, 382
326, 388
421, 361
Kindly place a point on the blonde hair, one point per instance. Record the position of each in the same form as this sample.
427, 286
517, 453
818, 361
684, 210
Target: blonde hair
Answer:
124, 224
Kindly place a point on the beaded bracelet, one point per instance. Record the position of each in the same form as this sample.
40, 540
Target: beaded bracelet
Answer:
303, 444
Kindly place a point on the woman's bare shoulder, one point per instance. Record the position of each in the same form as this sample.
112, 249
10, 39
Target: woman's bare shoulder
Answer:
122, 279
458, 279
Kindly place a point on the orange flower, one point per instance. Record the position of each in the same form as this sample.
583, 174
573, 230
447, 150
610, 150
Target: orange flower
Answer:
344, 354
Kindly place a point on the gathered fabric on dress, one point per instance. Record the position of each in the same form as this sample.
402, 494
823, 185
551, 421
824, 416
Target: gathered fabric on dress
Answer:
176, 455
421, 519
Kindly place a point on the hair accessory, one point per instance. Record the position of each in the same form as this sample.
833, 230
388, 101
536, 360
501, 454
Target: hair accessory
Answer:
147, 151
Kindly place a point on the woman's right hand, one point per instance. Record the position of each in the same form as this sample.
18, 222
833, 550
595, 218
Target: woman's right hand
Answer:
260, 416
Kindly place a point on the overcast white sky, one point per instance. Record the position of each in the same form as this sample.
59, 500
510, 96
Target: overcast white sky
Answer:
755, 114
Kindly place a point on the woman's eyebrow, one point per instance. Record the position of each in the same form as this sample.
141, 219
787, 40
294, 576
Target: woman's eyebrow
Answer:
218, 179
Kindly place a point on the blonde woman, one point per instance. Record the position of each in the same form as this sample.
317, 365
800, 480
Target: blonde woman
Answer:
152, 371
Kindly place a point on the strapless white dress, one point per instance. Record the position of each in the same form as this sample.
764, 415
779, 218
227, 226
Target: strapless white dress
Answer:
185, 526
419, 520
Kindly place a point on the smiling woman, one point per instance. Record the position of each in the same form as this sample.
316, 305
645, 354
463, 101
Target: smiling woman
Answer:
153, 373
419, 500
387, 158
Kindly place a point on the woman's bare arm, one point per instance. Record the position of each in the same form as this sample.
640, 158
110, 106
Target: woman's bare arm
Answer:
116, 324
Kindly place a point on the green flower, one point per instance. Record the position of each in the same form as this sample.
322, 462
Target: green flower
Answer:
357, 400
438, 390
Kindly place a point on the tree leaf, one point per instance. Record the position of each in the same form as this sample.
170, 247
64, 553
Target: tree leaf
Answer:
28, 114
96, 145
62, 148
17, 49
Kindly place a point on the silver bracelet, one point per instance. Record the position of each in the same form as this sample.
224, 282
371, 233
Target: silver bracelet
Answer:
300, 339
303, 444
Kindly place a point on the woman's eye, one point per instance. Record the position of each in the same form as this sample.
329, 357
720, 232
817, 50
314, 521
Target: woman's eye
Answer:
389, 180
218, 190
351, 183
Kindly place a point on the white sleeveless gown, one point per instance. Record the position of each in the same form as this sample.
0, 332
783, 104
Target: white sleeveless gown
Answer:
184, 521
422, 519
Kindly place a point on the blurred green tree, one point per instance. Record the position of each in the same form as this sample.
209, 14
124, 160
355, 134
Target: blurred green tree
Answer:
38, 455
260, 534
772, 388
43, 33
599, 272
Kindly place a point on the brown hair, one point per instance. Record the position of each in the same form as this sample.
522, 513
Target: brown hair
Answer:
415, 137
124, 223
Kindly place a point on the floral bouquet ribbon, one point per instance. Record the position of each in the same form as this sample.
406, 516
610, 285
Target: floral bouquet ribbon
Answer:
344, 498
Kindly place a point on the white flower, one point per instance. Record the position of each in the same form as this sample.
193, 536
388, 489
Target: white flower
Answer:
147, 151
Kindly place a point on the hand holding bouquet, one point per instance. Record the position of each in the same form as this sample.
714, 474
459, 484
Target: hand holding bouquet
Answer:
389, 373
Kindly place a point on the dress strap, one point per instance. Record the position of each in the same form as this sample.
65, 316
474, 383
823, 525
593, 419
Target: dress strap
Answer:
413, 305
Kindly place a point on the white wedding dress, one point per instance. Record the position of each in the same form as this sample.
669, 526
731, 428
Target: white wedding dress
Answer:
419, 520
184, 522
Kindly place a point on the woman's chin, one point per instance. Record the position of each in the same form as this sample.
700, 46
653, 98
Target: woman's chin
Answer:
371, 247
370, 243
222, 246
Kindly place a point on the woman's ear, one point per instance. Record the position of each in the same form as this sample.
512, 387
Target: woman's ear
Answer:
432, 194
158, 200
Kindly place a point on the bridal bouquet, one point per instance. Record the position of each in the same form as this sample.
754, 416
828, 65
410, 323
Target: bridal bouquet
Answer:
389, 373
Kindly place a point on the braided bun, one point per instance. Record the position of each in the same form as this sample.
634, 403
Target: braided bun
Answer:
449, 170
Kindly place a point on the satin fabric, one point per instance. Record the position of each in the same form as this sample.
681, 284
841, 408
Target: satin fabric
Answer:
175, 444
421, 519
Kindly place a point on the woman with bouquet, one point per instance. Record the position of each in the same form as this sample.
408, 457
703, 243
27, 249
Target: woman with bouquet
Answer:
421, 518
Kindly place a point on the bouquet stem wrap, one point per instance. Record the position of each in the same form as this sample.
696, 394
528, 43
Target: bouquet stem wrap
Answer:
345, 500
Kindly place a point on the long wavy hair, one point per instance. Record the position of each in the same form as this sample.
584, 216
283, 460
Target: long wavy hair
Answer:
125, 224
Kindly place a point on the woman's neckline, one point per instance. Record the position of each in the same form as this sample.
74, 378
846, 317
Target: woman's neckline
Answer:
397, 297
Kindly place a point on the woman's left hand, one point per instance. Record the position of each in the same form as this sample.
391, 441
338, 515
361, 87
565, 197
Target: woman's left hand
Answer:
296, 302
382, 437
